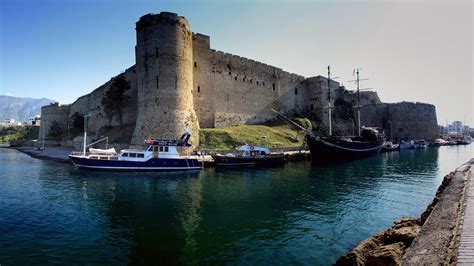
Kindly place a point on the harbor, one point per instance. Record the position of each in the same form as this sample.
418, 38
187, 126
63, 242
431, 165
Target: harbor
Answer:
253, 215
236, 133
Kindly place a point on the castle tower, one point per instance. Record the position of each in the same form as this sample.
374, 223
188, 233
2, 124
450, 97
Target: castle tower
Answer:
164, 72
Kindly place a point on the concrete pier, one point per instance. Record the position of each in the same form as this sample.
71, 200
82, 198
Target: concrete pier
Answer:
465, 254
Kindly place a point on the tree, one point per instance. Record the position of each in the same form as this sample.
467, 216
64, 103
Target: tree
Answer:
77, 123
55, 131
115, 98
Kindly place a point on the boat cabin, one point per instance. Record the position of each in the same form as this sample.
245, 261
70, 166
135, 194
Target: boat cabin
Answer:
253, 151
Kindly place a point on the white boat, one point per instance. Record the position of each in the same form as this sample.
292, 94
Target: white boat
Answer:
159, 155
420, 144
407, 144
248, 155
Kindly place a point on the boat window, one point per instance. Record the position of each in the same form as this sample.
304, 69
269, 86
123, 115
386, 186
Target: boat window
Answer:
140, 155
161, 149
166, 149
125, 154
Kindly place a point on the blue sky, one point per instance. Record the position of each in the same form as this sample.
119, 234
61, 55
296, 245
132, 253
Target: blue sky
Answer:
409, 50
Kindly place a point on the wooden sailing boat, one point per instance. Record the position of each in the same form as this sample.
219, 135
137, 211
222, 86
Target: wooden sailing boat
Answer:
330, 149
369, 141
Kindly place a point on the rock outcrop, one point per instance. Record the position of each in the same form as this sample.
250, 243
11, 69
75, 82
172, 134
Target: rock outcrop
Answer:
386, 247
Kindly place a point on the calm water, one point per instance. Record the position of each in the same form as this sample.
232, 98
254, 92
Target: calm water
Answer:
52, 213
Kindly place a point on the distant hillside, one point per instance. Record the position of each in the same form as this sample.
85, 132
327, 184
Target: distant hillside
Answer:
21, 109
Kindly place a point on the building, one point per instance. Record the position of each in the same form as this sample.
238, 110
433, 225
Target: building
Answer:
455, 127
178, 82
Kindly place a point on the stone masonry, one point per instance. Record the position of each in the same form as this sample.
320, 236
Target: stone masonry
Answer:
179, 82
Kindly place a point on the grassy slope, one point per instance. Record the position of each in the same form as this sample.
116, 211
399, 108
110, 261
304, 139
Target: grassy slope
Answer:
230, 137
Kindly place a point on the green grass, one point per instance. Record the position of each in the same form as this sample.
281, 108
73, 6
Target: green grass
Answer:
12, 134
231, 137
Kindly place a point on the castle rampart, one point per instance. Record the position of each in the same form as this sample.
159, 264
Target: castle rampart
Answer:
164, 61
53, 113
179, 79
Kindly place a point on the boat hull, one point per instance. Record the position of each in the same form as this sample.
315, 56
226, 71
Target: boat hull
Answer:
232, 161
327, 151
153, 164
271, 161
390, 149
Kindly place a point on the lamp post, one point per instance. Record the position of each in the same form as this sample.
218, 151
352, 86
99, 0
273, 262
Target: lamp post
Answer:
85, 132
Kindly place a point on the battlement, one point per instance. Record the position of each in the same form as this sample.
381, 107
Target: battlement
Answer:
162, 18
179, 82
55, 108
252, 65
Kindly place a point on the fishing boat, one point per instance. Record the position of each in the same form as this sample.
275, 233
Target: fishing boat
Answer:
158, 155
407, 144
248, 155
438, 143
389, 146
420, 144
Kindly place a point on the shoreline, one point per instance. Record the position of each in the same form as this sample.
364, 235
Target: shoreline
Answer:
56, 154
433, 238
60, 154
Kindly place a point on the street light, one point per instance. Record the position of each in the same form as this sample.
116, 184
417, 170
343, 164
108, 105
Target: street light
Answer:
85, 131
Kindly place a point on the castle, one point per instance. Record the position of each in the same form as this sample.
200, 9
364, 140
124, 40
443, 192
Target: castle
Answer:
179, 82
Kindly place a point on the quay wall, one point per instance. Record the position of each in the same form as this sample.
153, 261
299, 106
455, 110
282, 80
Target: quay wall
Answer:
180, 82
431, 239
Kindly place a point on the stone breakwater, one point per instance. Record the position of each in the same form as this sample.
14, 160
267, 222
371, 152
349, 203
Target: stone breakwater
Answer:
431, 239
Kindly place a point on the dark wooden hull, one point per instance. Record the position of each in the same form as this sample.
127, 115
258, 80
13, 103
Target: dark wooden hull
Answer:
222, 160
269, 161
324, 150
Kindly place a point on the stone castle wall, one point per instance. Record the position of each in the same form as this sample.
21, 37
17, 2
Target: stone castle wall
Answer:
51, 113
231, 90
413, 120
92, 104
164, 61
178, 78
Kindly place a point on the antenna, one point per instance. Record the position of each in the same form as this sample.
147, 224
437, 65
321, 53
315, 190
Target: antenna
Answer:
358, 80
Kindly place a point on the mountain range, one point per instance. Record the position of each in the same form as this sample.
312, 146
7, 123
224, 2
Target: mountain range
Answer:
21, 109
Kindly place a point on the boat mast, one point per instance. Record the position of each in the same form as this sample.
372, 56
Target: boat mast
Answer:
329, 101
358, 103
85, 133
357, 81
43, 137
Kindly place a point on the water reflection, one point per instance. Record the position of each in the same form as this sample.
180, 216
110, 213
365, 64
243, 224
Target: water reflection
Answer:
299, 213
